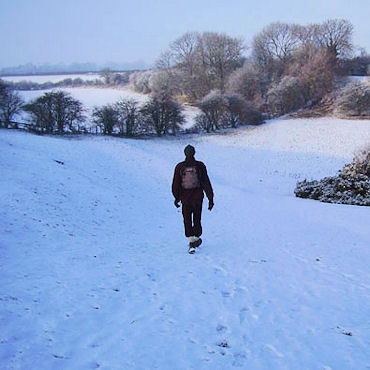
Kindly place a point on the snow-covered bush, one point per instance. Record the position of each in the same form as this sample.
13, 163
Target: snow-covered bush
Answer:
247, 81
226, 110
287, 96
360, 164
213, 107
351, 186
140, 81
163, 80
354, 100
240, 112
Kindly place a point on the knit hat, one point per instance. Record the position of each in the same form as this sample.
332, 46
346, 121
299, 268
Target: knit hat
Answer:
189, 151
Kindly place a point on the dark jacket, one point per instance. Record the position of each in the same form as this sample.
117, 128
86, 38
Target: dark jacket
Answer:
185, 195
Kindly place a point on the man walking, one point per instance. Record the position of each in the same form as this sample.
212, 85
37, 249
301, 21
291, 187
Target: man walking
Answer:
190, 181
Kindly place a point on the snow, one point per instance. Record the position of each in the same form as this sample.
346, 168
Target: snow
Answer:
95, 272
359, 78
52, 78
90, 96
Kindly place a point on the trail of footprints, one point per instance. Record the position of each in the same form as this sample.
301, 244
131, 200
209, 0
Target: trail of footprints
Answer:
235, 301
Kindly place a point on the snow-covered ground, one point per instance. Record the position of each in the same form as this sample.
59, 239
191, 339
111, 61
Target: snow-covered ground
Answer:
95, 273
90, 96
52, 78
359, 78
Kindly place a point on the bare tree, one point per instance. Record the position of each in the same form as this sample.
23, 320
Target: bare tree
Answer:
55, 112
202, 62
336, 36
162, 114
315, 69
274, 45
181, 64
106, 74
248, 81
140, 81
10, 104
128, 116
184, 51
222, 54
106, 118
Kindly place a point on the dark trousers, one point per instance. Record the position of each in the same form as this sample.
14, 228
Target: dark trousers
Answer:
192, 213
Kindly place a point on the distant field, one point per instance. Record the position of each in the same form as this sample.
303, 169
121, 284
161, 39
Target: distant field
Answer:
90, 96
52, 78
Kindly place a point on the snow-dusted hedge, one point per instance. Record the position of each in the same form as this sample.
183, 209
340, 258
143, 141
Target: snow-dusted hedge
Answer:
140, 81
354, 100
223, 111
286, 96
351, 186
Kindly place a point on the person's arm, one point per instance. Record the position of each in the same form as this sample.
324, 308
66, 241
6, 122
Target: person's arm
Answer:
176, 184
207, 187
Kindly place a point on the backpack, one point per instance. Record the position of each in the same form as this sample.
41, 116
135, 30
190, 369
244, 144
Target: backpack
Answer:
190, 177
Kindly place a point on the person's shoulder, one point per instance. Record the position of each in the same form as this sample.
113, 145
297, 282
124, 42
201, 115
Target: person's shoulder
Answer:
200, 164
179, 165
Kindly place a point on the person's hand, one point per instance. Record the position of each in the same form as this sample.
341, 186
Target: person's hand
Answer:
176, 203
210, 205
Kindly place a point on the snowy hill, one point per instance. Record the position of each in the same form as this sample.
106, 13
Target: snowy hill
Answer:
95, 273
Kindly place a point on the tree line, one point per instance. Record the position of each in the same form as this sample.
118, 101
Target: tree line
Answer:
107, 78
290, 66
57, 112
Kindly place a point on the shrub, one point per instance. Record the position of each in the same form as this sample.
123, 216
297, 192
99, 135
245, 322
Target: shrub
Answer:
351, 186
286, 96
140, 81
360, 164
10, 104
162, 114
229, 110
105, 117
213, 107
240, 112
55, 111
315, 68
247, 81
128, 116
354, 100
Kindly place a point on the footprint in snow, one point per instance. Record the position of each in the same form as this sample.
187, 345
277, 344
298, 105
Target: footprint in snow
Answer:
220, 271
243, 314
221, 328
239, 359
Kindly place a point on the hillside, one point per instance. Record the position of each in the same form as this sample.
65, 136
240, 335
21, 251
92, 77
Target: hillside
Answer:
94, 267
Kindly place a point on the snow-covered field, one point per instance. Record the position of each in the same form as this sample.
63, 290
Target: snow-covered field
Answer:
52, 78
95, 273
94, 97
91, 96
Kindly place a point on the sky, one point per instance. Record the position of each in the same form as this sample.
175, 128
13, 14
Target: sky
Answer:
69, 31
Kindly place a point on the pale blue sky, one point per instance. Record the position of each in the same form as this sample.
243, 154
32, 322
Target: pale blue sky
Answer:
41, 31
